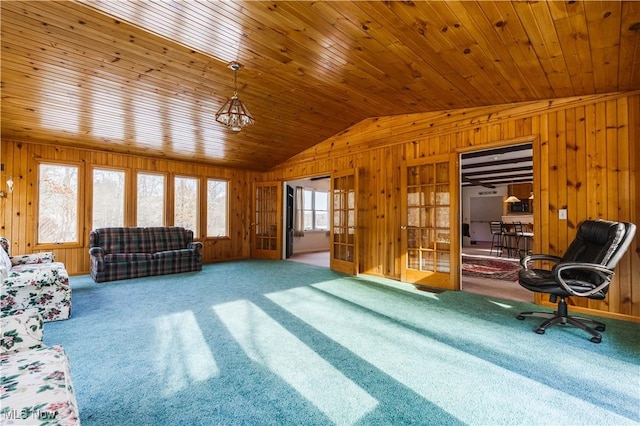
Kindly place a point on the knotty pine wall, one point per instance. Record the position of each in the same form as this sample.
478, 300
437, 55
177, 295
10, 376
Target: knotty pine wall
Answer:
18, 210
586, 156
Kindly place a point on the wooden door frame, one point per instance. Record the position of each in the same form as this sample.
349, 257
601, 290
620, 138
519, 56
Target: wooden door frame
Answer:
535, 145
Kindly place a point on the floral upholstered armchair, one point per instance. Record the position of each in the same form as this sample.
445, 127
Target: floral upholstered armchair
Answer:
36, 387
33, 281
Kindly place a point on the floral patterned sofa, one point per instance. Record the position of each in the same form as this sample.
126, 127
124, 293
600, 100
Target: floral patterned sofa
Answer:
131, 252
36, 387
33, 281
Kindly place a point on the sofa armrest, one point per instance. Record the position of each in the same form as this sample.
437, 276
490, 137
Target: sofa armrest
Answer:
195, 245
97, 258
32, 277
96, 252
21, 332
25, 259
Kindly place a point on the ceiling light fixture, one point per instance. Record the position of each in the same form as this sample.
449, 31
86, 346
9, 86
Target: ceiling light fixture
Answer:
234, 114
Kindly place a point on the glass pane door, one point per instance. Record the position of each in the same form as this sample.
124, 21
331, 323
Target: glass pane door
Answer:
267, 238
344, 229
427, 235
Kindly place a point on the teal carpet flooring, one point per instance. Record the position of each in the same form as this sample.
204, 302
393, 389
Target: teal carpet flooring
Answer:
282, 343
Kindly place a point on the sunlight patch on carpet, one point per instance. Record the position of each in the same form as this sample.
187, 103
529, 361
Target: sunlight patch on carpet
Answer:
271, 345
451, 378
183, 355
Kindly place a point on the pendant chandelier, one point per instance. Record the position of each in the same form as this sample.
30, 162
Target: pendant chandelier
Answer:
234, 114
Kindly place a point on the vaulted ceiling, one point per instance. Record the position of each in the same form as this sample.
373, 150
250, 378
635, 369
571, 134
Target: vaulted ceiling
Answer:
147, 77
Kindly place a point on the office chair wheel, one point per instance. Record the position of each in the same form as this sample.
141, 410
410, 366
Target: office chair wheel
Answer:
520, 317
596, 339
540, 330
600, 327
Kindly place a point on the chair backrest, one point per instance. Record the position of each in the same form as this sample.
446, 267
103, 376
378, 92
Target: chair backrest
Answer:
601, 242
517, 227
496, 227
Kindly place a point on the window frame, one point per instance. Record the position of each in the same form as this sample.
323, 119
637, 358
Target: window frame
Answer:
196, 232
205, 219
127, 185
166, 194
314, 211
80, 216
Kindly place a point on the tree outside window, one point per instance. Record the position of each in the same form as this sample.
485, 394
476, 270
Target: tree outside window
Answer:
217, 208
57, 203
108, 198
150, 211
186, 206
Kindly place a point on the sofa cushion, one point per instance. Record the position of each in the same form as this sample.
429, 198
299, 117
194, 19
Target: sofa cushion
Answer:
121, 240
172, 255
37, 387
127, 257
164, 238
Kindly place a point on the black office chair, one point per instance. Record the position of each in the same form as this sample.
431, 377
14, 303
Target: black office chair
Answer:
585, 270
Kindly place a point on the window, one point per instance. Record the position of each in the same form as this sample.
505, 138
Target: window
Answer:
217, 210
316, 210
58, 203
186, 196
108, 198
150, 210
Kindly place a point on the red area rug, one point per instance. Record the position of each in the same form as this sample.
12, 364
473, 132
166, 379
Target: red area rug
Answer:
494, 269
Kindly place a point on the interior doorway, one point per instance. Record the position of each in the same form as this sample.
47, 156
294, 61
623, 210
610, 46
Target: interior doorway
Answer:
309, 243
487, 179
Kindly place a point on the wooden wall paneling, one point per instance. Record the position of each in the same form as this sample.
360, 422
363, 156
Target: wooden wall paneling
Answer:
553, 186
634, 190
578, 151
571, 150
565, 227
624, 162
21, 226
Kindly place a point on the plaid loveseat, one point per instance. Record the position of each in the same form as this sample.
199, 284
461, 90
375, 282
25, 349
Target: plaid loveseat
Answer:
130, 252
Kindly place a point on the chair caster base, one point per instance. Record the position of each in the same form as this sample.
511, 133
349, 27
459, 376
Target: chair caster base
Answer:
557, 318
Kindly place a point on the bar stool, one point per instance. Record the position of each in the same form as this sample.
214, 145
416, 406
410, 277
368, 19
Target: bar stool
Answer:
497, 236
511, 237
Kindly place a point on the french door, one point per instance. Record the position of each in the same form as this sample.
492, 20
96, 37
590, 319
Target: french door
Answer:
344, 245
430, 230
266, 230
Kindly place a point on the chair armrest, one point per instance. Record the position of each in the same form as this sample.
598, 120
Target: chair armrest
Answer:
195, 245
32, 277
25, 259
525, 260
20, 332
603, 272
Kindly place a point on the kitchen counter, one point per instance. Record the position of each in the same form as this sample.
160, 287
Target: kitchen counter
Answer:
525, 219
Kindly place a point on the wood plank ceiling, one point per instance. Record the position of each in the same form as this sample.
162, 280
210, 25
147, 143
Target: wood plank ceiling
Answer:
146, 77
